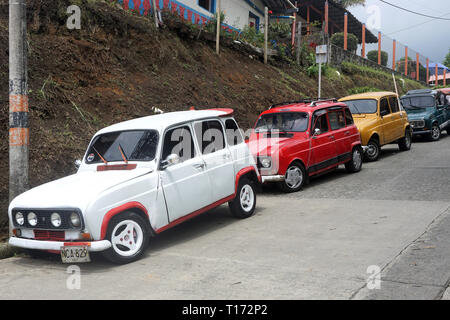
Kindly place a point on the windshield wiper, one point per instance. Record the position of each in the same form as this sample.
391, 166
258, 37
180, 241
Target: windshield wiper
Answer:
124, 157
103, 159
357, 110
415, 107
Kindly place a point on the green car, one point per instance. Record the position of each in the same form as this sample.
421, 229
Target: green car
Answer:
428, 112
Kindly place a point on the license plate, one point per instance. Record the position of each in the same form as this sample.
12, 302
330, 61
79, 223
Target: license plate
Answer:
75, 254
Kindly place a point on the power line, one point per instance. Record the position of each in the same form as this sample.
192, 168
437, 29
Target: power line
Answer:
416, 25
414, 12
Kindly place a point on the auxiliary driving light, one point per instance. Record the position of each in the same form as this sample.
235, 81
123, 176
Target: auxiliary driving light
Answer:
56, 219
32, 219
20, 219
75, 219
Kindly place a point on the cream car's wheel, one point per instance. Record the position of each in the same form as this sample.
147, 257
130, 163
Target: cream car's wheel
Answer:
243, 205
129, 237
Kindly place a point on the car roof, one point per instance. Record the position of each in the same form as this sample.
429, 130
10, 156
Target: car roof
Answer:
161, 121
303, 106
369, 95
420, 92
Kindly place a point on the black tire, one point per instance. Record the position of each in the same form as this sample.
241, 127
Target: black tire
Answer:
435, 134
404, 144
448, 131
243, 205
291, 182
355, 164
373, 151
118, 253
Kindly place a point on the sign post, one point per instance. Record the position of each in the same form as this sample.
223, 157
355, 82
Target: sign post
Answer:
321, 57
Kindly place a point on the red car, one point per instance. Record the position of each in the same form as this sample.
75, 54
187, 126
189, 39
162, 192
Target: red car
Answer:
292, 141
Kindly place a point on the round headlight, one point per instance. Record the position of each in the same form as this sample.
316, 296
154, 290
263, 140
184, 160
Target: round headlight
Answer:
32, 219
20, 219
55, 219
75, 219
266, 163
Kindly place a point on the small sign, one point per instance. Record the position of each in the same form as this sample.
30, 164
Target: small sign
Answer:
321, 54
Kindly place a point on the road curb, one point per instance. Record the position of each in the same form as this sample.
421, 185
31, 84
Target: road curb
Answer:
6, 251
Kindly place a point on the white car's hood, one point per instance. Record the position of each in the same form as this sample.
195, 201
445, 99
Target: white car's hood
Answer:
75, 191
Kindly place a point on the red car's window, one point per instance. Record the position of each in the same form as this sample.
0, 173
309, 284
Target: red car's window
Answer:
337, 120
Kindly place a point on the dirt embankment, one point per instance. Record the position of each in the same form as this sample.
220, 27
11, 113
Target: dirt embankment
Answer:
118, 67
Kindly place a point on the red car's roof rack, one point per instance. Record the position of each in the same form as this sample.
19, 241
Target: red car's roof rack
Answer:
312, 101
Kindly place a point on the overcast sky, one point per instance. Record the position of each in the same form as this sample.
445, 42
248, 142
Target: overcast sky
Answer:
431, 38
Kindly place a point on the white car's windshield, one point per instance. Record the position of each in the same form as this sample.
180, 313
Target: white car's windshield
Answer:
136, 145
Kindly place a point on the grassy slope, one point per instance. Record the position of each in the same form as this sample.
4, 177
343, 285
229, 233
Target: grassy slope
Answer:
118, 67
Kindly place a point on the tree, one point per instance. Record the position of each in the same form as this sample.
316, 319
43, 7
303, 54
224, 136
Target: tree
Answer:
352, 41
350, 3
447, 59
373, 56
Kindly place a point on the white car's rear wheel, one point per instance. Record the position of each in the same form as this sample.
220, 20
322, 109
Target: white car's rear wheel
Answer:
129, 236
243, 205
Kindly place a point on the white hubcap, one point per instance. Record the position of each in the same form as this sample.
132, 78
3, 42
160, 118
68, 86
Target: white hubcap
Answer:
247, 198
127, 238
357, 159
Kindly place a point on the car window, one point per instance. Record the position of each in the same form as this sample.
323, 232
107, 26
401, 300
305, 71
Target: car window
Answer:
394, 104
136, 145
283, 121
320, 121
179, 141
384, 107
337, 119
234, 136
210, 136
348, 117
362, 106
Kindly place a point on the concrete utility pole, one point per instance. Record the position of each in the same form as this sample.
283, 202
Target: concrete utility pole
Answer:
218, 27
18, 99
155, 14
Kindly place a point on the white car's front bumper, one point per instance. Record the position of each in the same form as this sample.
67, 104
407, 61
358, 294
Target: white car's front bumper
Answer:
93, 246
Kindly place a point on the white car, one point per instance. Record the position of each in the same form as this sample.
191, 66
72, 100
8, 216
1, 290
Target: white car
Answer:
137, 179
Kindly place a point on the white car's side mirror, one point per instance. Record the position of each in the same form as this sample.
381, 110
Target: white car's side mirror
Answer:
77, 164
172, 159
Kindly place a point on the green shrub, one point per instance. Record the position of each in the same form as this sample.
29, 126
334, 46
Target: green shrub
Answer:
338, 40
358, 90
373, 56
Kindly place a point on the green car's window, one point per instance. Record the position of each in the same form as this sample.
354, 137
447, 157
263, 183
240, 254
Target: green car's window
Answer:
418, 102
362, 106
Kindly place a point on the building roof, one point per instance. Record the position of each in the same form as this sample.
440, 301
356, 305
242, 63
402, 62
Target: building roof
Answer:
161, 121
336, 14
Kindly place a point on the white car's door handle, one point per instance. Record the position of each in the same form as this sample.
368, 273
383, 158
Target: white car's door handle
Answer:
226, 156
199, 166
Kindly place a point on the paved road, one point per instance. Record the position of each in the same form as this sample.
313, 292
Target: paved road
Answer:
318, 243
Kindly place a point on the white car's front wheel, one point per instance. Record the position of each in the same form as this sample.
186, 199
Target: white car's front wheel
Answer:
129, 236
